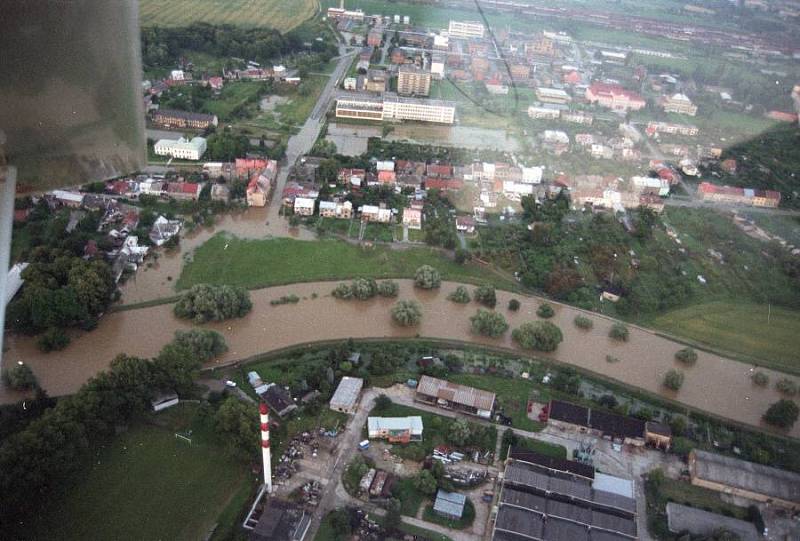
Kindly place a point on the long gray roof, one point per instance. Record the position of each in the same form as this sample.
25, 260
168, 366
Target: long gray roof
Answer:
681, 518
747, 475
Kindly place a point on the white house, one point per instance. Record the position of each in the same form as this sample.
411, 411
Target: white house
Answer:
304, 206
371, 213
387, 165
532, 175
182, 149
412, 218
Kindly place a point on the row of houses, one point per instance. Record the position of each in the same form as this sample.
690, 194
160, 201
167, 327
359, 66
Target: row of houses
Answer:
738, 196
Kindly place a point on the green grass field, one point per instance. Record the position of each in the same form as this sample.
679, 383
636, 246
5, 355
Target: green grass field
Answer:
232, 97
277, 14
148, 485
512, 396
263, 263
740, 328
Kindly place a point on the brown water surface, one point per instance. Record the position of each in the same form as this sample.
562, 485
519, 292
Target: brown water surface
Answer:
715, 384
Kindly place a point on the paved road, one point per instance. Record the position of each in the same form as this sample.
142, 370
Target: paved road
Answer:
302, 142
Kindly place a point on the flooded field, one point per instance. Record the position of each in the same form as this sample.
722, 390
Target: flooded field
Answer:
715, 384
351, 139
156, 279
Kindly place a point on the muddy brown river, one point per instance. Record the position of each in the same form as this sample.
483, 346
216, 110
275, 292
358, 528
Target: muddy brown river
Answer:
717, 385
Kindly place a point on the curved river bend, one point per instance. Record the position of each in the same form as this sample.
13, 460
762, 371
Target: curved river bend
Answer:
715, 384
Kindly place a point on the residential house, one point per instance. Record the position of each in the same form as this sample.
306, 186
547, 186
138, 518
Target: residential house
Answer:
412, 218
184, 191
68, 199
334, 209
555, 141
543, 113
465, 224
163, 230
220, 192
738, 196
304, 206
371, 213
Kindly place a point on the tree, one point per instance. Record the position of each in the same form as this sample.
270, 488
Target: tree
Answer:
237, 423
583, 322
342, 291
687, 356
513, 305
383, 402
427, 277
393, 516
425, 483
206, 302
407, 313
619, 332
488, 323
294, 220
340, 522
202, 344
486, 295
459, 432
388, 288
20, 377
364, 288
646, 220
540, 335
760, 379
545, 311
786, 386
460, 295
682, 446
782, 413
673, 380
53, 339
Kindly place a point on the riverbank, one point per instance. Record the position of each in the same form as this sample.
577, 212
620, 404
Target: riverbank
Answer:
719, 386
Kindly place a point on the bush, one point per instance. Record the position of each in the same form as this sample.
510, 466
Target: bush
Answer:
619, 332
782, 413
20, 377
760, 379
513, 305
388, 288
202, 343
460, 295
583, 322
673, 380
611, 359
285, 299
541, 336
545, 311
53, 339
486, 295
687, 356
427, 277
407, 313
786, 386
205, 302
342, 291
364, 288
462, 256
488, 323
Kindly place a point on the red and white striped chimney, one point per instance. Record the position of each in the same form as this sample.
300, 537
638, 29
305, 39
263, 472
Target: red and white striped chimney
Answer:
265, 454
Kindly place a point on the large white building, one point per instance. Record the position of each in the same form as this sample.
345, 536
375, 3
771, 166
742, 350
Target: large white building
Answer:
390, 106
466, 29
182, 149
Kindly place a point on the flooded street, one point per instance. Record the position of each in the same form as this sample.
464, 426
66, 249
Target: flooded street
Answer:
156, 278
715, 384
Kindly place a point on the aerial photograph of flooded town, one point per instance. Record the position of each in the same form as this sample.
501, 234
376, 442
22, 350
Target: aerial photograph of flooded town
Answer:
417, 270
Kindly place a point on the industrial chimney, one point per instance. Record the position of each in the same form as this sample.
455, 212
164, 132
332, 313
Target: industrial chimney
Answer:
265, 454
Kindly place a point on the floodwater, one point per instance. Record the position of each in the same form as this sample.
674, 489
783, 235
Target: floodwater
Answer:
458, 136
715, 384
158, 281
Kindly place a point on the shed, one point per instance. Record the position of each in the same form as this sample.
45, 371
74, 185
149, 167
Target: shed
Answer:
345, 399
681, 518
449, 504
164, 400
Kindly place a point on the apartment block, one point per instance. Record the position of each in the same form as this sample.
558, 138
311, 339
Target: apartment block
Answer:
413, 81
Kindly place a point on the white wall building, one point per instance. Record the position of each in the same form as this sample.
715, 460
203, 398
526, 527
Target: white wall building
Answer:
182, 149
466, 29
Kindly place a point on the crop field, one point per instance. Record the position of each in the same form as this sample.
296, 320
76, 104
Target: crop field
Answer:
278, 14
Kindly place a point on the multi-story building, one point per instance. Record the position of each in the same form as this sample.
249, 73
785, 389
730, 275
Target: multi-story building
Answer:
466, 29
654, 128
182, 149
304, 206
543, 113
413, 81
170, 118
552, 95
371, 213
738, 196
393, 107
578, 117
376, 81
679, 103
341, 13
333, 209
614, 97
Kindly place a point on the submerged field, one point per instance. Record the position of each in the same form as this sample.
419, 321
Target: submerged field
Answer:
262, 263
276, 14
758, 331
149, 485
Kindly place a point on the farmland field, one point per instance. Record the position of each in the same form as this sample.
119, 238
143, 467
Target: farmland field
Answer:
277, 14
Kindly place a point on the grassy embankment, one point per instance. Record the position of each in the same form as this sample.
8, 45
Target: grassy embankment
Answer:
150, 485
263, 263
277, 14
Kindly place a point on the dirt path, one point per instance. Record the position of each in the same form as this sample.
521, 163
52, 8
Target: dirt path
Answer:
715, 384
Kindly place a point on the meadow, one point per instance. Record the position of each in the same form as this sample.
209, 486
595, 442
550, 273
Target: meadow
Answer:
264, 263
277, 14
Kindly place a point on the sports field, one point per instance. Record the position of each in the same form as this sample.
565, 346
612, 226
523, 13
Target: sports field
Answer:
742, 329
149, 485
279, 14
